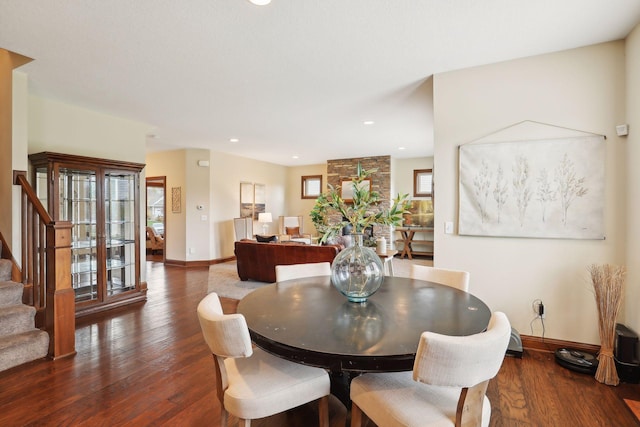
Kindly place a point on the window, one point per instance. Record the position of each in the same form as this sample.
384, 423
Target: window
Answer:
423, 183
311, 186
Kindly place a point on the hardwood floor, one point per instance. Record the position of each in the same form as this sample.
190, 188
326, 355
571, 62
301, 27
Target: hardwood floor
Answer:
147, 364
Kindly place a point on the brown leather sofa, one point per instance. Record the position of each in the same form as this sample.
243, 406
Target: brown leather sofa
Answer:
257, 261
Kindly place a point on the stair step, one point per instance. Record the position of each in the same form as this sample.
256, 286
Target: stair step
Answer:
5, 269
15, 319
22, 348
10, 293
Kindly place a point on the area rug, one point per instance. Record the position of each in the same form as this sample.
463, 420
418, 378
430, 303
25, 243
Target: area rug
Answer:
634, 405
224, 280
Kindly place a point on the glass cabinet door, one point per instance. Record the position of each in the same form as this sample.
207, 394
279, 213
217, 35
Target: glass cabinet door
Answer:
99, 197
120, 232
78, 204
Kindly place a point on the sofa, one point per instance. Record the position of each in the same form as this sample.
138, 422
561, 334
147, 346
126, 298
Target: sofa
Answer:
257, 261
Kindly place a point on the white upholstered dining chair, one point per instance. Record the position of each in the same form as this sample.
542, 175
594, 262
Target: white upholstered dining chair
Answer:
251, 383
299, 271
446, 388
454, 278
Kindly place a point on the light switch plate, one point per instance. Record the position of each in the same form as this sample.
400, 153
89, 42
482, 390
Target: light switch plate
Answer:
448, 227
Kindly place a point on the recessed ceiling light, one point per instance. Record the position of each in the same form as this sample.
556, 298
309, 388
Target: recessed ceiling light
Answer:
260, 2
368, 122
234, 140
400, 148
294, 157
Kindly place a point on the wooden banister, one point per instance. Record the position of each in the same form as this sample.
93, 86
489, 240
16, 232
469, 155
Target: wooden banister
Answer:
46, 270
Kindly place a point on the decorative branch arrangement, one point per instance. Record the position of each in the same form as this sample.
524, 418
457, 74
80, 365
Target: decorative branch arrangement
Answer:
608, 281
359, 213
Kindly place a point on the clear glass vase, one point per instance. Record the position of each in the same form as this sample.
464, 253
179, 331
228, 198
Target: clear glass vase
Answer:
357, 271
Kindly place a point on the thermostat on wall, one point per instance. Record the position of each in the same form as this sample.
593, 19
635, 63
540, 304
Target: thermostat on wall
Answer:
622, 130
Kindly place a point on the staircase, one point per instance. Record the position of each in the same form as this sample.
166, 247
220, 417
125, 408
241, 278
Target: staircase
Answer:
20, 340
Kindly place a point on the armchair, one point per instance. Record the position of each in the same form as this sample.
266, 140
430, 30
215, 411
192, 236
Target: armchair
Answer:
243, 228
292, 228
155, 242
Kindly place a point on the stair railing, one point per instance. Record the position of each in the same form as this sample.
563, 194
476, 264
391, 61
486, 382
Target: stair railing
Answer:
46, 270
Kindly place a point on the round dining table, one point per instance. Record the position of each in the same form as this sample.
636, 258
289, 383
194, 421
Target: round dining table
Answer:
308, 321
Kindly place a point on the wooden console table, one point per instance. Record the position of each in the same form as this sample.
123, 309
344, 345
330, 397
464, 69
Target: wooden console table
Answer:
408, 239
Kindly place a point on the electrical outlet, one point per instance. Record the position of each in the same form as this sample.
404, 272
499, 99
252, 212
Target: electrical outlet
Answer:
539, 309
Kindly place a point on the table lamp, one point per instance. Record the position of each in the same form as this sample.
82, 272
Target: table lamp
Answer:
265, 219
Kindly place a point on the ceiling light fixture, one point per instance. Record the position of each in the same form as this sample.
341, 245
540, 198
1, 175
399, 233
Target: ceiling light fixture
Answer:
400, 148
260, 2
368, 122
294, 157
234, 140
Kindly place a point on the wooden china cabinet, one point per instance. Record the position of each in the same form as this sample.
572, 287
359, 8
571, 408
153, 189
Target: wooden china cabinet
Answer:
101, 198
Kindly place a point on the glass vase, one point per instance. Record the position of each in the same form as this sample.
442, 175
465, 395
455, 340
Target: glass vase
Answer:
357, 271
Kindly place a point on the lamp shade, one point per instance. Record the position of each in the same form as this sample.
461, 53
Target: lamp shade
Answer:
265, 217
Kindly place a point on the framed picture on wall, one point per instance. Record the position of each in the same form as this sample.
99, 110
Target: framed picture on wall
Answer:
259, 200
346, 189
246, 200
176, 199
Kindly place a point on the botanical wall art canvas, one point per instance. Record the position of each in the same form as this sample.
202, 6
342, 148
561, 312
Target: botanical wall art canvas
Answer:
544, 188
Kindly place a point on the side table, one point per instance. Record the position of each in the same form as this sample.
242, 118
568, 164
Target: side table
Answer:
387, 261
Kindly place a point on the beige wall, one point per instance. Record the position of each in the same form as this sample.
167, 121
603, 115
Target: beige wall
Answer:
402, 174
632, 143
227, 171
13, 87
19, 154
580, 89
295, 204
198, 235
187, 232
65, 128
171, 164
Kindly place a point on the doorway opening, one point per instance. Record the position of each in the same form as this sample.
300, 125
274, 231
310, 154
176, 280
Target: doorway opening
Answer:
156, 218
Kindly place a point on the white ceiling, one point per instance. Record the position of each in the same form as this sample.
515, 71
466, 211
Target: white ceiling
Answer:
297, 77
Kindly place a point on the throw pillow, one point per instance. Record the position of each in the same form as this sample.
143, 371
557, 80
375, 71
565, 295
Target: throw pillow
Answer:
293, 231
266, 239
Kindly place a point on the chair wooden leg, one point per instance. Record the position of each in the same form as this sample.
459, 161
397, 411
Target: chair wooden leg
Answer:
224, 417
469, 412
323, 411
356, 415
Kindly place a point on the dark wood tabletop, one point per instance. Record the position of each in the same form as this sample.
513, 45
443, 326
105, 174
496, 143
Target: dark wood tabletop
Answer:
309, 321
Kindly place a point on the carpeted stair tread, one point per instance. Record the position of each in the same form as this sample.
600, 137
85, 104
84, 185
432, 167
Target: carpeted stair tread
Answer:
10, 293
15, 319
5, 269
20, 341
22, 348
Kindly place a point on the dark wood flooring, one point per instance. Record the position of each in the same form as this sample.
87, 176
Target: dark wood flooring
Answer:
147, 364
